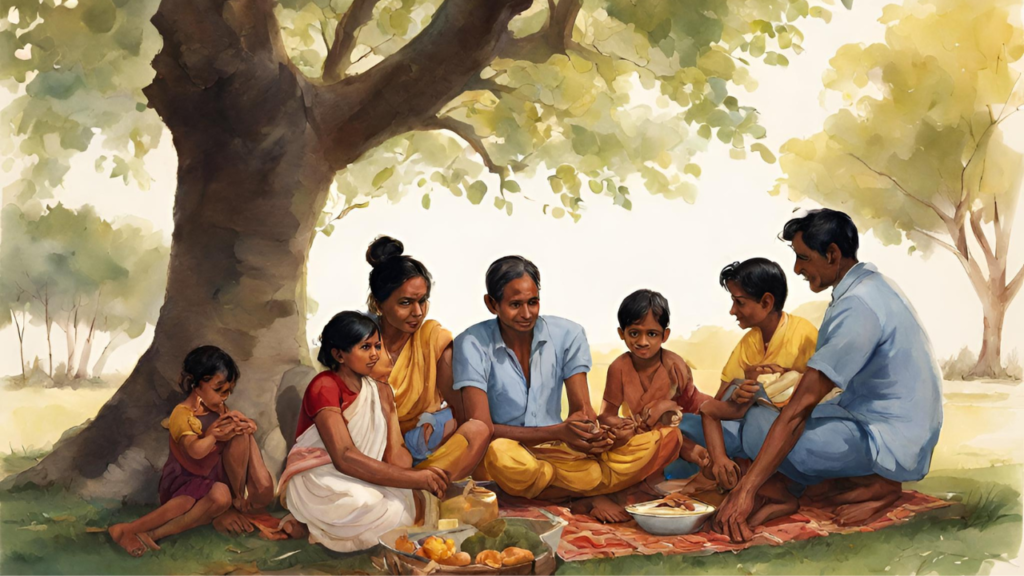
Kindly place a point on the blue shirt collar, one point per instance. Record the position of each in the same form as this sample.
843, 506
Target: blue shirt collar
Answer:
540, 335
859, 271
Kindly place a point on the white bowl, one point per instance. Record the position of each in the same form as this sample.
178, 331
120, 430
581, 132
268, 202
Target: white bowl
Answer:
670, 521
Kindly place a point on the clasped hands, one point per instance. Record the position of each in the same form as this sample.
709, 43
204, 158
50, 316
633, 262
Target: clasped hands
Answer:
231, 424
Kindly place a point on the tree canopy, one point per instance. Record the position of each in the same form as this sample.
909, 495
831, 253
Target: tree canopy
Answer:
558, 97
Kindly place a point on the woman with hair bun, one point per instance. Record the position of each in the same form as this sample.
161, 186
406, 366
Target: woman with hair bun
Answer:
416, 361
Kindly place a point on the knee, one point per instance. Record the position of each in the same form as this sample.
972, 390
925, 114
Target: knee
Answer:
475, 431
220, 498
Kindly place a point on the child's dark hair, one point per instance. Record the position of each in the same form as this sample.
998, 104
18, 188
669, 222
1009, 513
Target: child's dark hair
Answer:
638, 304
757, 277
391, 269
343, 332
506, 269
204, 363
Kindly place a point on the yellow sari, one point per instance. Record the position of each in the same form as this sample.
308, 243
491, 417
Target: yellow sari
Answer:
413, 377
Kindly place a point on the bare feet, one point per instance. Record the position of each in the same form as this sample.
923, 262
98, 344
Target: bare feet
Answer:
601, 508
232, 523
240, 503
130, 542
293, 528
862, 499
148, 540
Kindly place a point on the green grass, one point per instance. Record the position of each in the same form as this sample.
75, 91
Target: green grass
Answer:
989, 533
20, 460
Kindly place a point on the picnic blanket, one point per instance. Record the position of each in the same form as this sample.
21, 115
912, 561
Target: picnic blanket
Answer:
585, 538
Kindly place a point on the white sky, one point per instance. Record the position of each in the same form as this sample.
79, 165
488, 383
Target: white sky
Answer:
587, 268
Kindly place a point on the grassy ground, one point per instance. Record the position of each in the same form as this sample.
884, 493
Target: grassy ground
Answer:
44, 532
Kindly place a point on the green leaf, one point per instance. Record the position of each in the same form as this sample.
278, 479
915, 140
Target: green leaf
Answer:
704, 131
425, 202
556, 184
328, 230
383, 176
511, 186
848, 4
692, 170
595, 186
421, 182
499, 202
764, 151
508, 208
476, 192
558, 212
100, 16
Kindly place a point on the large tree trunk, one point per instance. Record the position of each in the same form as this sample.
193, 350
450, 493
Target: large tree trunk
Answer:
258, 146
990, 363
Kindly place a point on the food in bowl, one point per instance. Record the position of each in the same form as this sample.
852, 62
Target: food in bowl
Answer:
673, 515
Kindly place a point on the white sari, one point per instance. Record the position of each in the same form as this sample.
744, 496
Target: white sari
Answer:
344, 513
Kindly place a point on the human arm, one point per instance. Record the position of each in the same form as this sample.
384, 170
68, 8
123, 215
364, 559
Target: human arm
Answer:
573, 431
348, 460
395, 453
731, 519
725, 471
445, 379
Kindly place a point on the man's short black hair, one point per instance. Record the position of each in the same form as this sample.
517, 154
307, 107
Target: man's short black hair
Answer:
824, 227
757, 277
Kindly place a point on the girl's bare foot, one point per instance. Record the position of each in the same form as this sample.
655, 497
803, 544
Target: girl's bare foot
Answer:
130, 542
240, 503
148, 540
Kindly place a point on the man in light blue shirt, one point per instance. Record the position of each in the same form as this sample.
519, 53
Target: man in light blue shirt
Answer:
511, 371
881, 430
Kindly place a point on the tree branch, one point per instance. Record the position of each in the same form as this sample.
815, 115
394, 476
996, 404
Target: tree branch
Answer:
1014, 286
339, 55
467, 133
562, 22
986, 247
411, 86
946, 219
489, 85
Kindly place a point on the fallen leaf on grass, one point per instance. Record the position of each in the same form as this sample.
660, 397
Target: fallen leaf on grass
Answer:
283, 556
233, 549
95, 529
64, 518
34, 527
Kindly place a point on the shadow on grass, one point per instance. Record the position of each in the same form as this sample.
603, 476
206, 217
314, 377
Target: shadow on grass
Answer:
44, 532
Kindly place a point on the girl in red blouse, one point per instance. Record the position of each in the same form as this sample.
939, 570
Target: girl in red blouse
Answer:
349, 476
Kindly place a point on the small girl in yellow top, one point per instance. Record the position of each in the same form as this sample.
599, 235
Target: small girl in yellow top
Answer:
214, 462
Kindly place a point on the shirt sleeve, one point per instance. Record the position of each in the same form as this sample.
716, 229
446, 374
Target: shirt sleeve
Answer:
690, 399
577, 354
183, 422
471, 365
736, 366
847, 341
322, 394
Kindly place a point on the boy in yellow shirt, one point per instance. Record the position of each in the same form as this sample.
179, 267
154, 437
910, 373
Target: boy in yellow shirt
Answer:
775, 341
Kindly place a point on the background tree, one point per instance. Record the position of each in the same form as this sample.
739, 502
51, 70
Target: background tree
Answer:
286, 115
71, 268
917, 153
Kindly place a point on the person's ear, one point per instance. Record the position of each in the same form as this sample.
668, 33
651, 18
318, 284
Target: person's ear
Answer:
336, 354
491, 303
664, 337
833, 254
767, 301
622, 335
